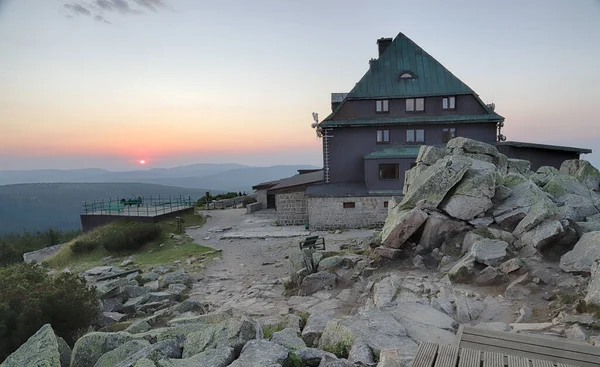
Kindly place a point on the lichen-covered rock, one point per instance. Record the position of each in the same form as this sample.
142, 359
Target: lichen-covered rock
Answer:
288, 338
431, 186
540, 211
361, 353
583, 255
512, 210
593, 291
377, 328
90, 347
386, 289
410, 175
312, 357
423, 323
578, 208
471, 146
430, 154
513, 179
155, 352
395, 358
65, 352
583, 171
261, 353
400, 225
439, 229
472, 196
520, 166
462, 271
489, 252
315, 325
220, 357
176, 277
121, 353
550, 233
233, 333
41, 349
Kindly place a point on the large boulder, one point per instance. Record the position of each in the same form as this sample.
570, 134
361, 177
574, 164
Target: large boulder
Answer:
90, 347
540, 211
583, 255
429, 154
578, 208
593, 291
41, 349
400, 225
170, 348
317, 282
288, 338
583, 171
551, 234
220, 357
473, 148
261, 353
520, 166
472, 196
385, 291
379, 329
315, 325
514, 209
489, 252
423, 322
121, 353
234, 333
440, 229
431, 186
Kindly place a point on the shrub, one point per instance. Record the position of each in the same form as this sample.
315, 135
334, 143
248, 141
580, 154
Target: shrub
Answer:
30, 298
83, 246
130, 236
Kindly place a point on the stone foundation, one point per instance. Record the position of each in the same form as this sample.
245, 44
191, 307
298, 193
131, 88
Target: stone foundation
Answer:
291, 208
326, 213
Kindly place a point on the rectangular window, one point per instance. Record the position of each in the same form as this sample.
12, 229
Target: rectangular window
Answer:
420, 104
385, 204
389, 172
382, 106
349, 205
410, 104
447, 134
410, 136
449, 103
383, 136
420, 136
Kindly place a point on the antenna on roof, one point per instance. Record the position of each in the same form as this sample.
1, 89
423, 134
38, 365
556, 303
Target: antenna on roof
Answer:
315, 125
315, 116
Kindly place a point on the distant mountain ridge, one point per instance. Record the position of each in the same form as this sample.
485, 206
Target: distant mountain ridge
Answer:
220, 176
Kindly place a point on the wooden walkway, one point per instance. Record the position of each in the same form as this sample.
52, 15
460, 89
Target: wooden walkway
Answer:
487, 348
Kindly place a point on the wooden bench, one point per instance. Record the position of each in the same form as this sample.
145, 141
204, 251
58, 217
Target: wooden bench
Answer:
313, 242
488, 348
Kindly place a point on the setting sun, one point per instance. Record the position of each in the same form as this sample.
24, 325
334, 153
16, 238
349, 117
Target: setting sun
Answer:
142, 161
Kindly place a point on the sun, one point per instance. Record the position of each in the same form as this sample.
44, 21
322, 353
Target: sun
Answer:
142, 161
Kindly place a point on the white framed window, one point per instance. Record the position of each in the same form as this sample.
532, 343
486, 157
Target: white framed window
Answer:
382, 105
449, 103
410, 104
420, 104
383, 136
415, 136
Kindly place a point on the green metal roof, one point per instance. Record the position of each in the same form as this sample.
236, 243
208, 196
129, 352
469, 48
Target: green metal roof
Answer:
400, 151
403, 55
493, 117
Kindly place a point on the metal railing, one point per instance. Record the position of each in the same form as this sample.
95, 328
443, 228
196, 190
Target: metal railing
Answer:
138, 206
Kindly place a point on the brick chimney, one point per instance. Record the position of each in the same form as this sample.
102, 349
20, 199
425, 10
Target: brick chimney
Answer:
383, 44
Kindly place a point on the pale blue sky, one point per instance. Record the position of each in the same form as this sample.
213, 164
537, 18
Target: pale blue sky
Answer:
236, 81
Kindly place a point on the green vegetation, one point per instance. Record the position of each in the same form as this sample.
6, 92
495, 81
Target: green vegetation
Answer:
13, 246
293, 360
483, 232
229, 195
340, 349
567, 298
30, 298
88, 250
269, 330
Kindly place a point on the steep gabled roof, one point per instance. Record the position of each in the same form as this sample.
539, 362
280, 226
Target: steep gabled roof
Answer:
404, 56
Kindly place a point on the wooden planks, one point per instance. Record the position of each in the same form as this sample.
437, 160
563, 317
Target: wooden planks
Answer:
538, 363
469, 358
534, 347
491, 359
425, 355
515, 361
447, 356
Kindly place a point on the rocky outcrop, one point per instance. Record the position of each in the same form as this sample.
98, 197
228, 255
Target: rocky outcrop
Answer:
489, 252
583, 171
90, 347
41, 349
400, 225
261, 353
593, 291
583, 255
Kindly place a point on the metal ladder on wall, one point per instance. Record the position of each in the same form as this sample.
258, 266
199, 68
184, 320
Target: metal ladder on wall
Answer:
326, 137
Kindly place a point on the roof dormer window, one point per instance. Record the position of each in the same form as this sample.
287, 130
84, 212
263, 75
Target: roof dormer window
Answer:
406, 75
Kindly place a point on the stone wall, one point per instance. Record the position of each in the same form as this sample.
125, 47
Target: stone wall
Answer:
291, 208
359, 212
261, 197
40, 255
251, 208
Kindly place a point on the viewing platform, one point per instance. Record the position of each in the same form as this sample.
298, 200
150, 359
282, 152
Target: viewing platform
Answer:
149, 209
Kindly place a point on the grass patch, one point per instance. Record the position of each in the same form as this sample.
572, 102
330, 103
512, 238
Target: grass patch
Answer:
269, 330
119, 326
293, 360
340, 349
567, 298
165, 249
483, 232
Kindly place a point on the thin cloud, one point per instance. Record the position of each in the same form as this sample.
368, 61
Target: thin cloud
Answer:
78, 9
97, 9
